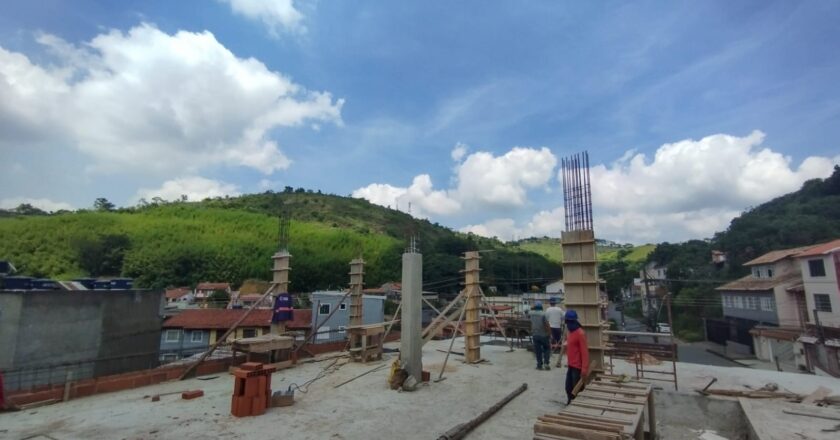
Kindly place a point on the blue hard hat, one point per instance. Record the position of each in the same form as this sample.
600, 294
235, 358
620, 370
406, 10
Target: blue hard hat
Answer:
538, 305
552, 300
571, 315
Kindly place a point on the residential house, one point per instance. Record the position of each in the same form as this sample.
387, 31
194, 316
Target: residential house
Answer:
204, 290
651, 285
760, 298
178, 295
245, 301
335, 328
194, 330
820, 266
555, 288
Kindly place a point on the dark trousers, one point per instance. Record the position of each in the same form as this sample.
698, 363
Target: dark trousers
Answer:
572, 378
541, 349
556, 334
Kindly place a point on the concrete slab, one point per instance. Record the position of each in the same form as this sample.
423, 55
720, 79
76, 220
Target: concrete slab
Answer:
366, 408
768, 421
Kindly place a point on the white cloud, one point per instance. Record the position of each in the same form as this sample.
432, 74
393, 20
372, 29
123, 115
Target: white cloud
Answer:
693, 188
459, 151
542, 224
275, 15
150, 101
483, 180
43, 204
424, 199
504, 180
195, 188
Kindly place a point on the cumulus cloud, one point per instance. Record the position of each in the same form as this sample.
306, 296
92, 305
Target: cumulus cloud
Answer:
547, 223
693, 188
151, 101
275, 15
42, 204
483, 180
424, 199
504, 180
459, 151
194, 187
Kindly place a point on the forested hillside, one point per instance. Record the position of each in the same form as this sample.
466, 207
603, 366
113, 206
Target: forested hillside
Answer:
232, 239
808, 216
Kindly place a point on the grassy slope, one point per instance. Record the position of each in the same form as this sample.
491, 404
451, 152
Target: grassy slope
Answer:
551, 249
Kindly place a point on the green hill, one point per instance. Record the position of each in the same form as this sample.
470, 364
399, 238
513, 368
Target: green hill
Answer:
232, 239
607, 251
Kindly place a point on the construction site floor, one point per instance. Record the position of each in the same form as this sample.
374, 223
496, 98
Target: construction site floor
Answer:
367, 409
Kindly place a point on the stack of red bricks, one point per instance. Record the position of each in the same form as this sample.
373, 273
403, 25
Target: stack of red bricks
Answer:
251, 390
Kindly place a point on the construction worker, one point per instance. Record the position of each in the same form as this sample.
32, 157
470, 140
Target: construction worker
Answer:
539, 336
555, 320
577, 354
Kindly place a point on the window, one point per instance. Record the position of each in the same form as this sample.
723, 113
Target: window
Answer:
197, 336
727, 301
756, 272
738, 302
249, 333
342, 329
324, 309
767, 304
342, 306
769, 273
822, 302
752, 303
816, 268
173, 335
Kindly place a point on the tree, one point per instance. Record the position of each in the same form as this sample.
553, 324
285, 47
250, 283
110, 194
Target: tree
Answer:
219, 299
102, 255
102, 204
27, 209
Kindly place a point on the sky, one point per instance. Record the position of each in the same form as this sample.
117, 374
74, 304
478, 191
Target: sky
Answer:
460, 112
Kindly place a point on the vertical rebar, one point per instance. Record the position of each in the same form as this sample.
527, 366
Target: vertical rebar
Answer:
577, 192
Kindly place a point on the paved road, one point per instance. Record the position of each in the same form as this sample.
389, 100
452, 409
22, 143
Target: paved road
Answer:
691, 352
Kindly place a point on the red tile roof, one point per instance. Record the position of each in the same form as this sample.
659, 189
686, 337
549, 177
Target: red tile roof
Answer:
774, 256
218, 319
212, 286
225, 318
822, 249
177, 292
301, 320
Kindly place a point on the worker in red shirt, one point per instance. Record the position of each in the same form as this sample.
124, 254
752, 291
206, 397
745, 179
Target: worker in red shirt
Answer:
577, 354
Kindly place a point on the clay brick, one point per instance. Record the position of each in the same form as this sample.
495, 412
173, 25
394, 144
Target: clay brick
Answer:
238, 386
258, 406
252, 387
83, 390
251, 366
157, 378
194, 394
240, 406
142, 381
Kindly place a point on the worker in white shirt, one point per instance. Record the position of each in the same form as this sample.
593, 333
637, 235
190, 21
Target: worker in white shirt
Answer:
554, 314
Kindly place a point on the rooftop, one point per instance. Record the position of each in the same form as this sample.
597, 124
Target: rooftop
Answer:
774, 256
212, 286
366, 408
751, 283
821, 249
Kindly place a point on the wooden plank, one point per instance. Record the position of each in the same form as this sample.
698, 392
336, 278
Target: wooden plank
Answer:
811, 413
818, 395
561, 418
576, 433
598, 417
609, 395
625, 392
585, 425
612, 399
576, 402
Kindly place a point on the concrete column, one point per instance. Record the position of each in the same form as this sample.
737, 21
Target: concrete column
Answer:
472, 324
411, 344
280, 277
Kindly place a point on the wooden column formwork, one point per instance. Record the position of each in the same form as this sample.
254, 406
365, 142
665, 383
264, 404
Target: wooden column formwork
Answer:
580, 279
472, 296
355, 333
280, 279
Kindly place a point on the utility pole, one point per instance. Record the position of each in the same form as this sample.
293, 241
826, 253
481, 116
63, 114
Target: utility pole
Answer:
647, 298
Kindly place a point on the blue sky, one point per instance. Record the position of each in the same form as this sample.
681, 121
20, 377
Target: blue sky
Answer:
691, 111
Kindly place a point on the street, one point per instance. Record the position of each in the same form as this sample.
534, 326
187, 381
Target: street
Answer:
691, 352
